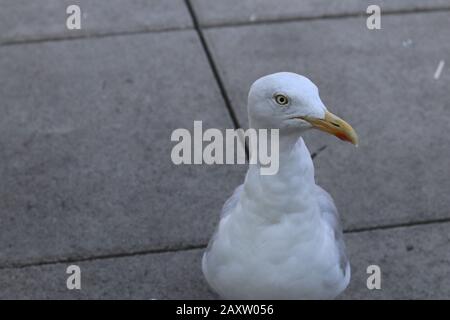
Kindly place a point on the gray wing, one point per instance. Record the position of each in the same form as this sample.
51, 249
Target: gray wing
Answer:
331, 215
228, 206
231, 203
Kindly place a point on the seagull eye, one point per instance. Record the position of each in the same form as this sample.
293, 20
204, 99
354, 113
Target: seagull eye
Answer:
281, 99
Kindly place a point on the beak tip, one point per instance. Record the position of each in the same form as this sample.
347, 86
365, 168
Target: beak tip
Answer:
355, 141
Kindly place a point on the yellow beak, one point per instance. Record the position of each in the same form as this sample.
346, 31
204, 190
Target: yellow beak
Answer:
334, 125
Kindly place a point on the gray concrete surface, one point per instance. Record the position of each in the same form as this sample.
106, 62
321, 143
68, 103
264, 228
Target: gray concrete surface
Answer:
85, 156
22, 20
86, 175
414, 261
230, 12
402, 254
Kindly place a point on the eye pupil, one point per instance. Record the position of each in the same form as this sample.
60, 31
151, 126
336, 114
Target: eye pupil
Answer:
280, 99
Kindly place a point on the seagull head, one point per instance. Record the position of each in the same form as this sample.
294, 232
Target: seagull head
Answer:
291, 103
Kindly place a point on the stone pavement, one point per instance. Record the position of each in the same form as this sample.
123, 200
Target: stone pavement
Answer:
86, 175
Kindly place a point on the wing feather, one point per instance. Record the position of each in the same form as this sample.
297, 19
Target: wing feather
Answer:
331, 215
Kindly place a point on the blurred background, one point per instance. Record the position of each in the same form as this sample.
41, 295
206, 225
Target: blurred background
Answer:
86, 176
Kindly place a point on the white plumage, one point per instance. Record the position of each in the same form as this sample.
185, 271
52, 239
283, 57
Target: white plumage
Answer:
279, 236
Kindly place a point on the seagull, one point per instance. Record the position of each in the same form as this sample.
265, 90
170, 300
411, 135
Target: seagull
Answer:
279, 236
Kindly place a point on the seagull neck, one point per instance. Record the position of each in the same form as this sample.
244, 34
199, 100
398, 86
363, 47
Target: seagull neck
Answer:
294, 160
291, 190
289, 143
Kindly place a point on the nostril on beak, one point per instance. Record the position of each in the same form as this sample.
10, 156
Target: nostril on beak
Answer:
335, 124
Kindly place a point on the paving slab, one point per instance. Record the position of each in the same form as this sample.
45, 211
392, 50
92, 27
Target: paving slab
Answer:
85, 147
383, 83
154, 276
22, 20
414, 263
213, 13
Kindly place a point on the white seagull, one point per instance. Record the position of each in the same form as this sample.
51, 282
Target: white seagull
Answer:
279, 236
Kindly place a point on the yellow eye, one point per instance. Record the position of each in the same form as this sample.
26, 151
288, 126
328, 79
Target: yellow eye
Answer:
281, 99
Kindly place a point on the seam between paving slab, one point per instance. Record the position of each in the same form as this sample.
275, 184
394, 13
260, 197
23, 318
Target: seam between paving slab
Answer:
212, 64
101, 257
269, 21
99, 35
398, 225
196, 247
